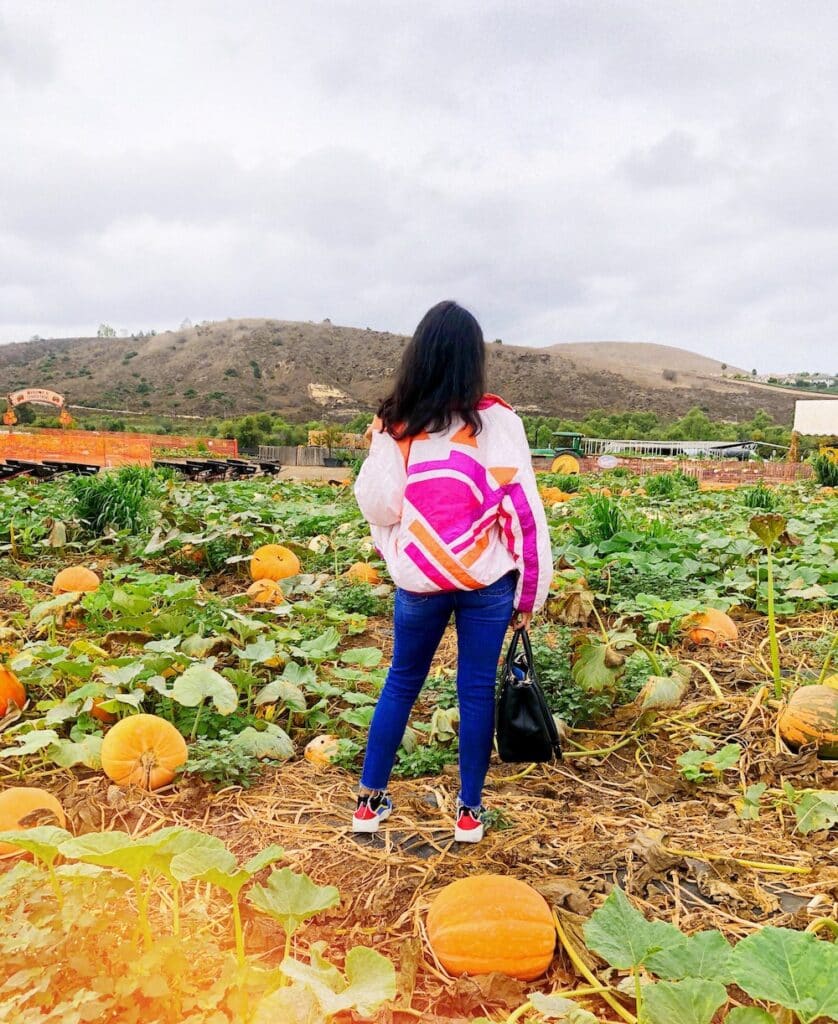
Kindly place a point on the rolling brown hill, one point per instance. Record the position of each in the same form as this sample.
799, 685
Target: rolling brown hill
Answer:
308, 370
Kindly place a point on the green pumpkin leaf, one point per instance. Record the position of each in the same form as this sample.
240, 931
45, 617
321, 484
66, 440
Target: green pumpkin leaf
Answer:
292, 898
364, 657
282, 691
43, 842
693, 1001
259, 651
299, 675
795, 969
290, 1005
270, 855
559, 1008
769, 527
660, 693
621, 934
68, 754
703, 955
370, 981
747, 806
207, 859
121, 675
590, 670
31, 743
749, 1015
200, 682
119, 850
272, 742
816, 811
54, 604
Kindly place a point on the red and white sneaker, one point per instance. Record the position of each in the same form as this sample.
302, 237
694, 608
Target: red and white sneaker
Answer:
371, 810
470, 824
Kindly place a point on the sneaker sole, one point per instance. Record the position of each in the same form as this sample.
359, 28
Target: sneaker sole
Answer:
365, 827
468, 835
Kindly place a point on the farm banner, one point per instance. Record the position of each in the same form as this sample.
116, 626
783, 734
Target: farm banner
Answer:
40, 395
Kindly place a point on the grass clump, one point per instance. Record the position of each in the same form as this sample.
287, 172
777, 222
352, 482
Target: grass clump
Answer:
116, 500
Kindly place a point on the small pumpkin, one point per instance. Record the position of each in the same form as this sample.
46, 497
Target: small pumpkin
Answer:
811, 716
75, 579
711, 627
265, 592
321, 750
487, 923
11, 690
273, 562
100, 714
363, 572
24, 807
143, 750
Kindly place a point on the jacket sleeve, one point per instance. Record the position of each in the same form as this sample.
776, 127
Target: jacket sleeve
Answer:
379, 489
524, 524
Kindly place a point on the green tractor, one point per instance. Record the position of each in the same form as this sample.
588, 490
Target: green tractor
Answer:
567, 453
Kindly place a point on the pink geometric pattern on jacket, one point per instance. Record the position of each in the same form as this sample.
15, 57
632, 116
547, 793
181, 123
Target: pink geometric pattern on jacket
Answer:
456, 511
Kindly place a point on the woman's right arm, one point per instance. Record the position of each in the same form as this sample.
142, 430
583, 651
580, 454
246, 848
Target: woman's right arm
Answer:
380, 486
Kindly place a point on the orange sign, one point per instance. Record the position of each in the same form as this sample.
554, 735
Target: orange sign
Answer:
40, 395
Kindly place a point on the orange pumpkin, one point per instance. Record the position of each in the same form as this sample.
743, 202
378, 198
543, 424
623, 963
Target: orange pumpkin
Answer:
75, 579
811, 716
11, 690
273, 562
363, 572
265, 592
143, 750
321, 750
487, 923
24, 807
711, 627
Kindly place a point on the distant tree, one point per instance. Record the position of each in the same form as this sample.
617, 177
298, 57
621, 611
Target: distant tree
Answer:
35, 337
106, 331
185, 323
724, 366
753, 373
669, 375
498, 341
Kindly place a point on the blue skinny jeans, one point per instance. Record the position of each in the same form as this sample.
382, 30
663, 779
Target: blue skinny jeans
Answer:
481, 617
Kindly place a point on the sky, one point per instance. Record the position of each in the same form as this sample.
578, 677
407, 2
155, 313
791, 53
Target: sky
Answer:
570, 170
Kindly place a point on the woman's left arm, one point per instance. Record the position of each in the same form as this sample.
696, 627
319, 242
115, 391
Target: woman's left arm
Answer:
380, 486
524, 512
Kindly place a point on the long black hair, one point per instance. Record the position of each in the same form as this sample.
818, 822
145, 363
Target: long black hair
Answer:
441, 375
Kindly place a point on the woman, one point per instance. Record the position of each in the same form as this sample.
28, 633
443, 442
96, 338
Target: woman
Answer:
450, 495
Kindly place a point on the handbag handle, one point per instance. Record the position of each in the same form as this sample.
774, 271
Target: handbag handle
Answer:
522, 635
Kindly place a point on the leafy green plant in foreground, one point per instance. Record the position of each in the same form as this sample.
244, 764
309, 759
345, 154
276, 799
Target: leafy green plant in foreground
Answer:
795, 970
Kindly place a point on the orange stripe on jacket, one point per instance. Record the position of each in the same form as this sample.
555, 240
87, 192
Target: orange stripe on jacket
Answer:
450, 564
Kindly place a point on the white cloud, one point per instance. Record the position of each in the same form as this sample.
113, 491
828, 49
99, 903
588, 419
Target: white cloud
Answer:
572, 170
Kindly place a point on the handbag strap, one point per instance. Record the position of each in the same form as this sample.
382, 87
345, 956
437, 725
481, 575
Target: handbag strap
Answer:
524, 637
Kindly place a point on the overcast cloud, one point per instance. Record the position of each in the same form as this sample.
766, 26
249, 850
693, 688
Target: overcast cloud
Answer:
639, 171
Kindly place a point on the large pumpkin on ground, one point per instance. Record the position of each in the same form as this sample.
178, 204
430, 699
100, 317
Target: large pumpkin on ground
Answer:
11, 690
24, 807
75, 579
488, 923
273, 562
811, 716
265, 592
143, 750
363, 572
711, 627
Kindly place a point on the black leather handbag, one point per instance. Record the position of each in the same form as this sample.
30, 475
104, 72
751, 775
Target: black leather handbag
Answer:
526, 730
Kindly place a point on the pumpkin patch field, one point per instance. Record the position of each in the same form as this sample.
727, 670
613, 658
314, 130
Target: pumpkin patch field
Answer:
187, 675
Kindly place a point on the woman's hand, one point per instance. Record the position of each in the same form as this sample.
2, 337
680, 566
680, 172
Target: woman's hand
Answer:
521, 620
